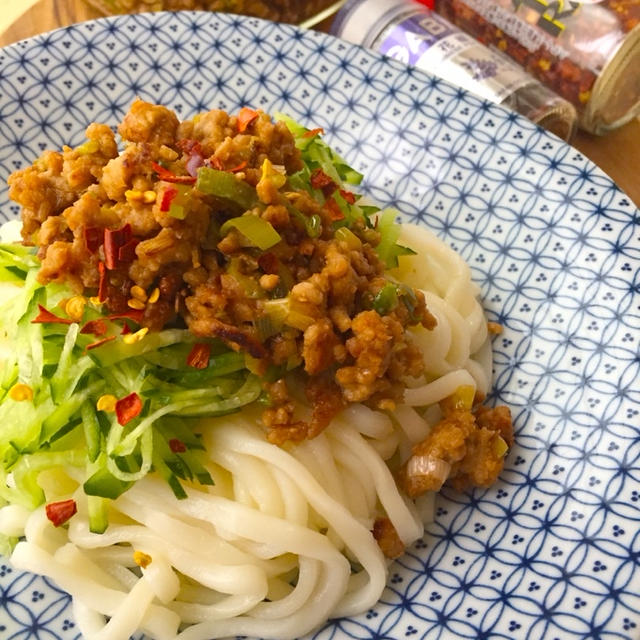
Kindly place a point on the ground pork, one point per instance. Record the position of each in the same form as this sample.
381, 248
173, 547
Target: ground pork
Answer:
467, 448
114, 223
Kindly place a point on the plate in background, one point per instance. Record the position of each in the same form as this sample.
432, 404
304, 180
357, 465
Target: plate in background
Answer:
553, 549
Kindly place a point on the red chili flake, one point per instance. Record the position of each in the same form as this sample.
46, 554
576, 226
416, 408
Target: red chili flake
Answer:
126, 329
167, 198
216, 163
198, 357
239, 167
46, 317
113, 240
59, 512
127, 252
169, 176
335, 213
99, 343
348, 196
102, 285
95, 327
245, 117
269, 262
320, 180
313, 132
128, 408
177, 446
134, 314
189, 146
93, 238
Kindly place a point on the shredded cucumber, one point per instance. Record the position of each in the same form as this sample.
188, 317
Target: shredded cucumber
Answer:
57, 421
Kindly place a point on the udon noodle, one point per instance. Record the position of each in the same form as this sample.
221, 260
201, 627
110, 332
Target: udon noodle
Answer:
282, 541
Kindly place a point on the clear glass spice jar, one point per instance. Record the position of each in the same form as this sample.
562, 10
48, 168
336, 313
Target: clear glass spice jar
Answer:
410, 32
307, 12
588, 52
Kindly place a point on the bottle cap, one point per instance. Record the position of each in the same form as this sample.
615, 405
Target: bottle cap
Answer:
360, 21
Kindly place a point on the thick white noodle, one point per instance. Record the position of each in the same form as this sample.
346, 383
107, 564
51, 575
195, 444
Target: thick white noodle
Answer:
282, 541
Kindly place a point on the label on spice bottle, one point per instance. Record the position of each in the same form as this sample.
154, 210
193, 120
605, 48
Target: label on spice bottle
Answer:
430, 43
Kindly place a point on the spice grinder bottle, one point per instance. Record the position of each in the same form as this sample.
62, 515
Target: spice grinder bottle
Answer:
588, 52
410, 32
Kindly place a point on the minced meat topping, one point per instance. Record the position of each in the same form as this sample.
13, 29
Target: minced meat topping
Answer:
216, 224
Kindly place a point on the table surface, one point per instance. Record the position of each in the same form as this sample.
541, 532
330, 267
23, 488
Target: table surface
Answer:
617, 153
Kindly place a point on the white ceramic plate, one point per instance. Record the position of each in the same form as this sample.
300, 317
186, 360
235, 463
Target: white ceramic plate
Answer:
553, 550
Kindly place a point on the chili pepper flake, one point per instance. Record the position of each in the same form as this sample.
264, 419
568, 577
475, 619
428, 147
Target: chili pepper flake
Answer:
99, 343
348, 196
135, 315
59, 512
102, 285
335, 213
320, 180
46, 317
216, 163
177, 446
169, 176
168, 196
114, 239
198, 357
127, 252
128, 408
312, 133
246, 116
269, 262
93, 238
95, 327
238, 167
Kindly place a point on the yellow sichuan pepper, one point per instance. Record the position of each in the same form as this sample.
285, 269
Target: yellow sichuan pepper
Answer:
21, 392
107, 403
74, 307
460, 400
142, 559
132, 338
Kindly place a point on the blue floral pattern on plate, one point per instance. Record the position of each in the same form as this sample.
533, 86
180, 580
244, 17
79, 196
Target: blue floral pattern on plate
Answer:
553, 550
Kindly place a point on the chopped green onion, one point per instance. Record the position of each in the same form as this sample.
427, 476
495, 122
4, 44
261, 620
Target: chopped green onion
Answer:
277, 309
311, 224
386, 300
389, 250
500, 447
346, 235
90, 146
256, 229
177, 211
226, 186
